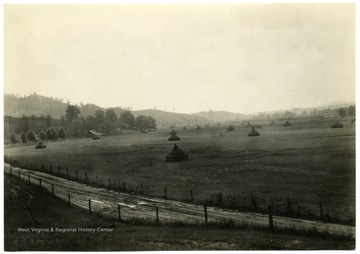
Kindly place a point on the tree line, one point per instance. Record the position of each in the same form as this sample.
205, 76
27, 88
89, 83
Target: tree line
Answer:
74, 125
314, 113
104, 121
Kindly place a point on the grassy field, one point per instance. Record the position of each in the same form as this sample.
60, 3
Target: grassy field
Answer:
28, 207
307, 162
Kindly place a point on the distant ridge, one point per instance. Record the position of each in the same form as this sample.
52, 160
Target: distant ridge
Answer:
34, 104
220, 116
169, 118
38, 105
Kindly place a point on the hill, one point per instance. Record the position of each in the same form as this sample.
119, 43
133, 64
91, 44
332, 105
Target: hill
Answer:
220, 116
169, 118
34, 104
38, 105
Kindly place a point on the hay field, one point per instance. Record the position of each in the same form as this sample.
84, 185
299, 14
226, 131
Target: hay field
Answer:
308, 162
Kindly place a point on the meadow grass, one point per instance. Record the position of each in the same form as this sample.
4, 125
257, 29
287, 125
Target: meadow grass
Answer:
307, 162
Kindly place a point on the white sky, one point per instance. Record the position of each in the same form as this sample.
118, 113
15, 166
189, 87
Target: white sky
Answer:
236, 57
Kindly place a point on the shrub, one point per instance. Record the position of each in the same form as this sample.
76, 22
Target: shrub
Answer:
31, 135
230, 128
42, 135
62, 132
23, 137
13, 138
52, 134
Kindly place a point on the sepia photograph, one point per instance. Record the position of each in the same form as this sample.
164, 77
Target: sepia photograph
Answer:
179, 127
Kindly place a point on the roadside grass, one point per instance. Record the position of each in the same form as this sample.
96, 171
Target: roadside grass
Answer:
27, 206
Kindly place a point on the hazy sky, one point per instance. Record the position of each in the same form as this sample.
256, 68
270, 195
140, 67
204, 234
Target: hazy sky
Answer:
237, 57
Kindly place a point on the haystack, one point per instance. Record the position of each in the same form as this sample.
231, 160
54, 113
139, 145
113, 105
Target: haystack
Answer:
198, 128
230, 128
337, 125
248, 124
253, 132
272, 123
177, 154
287, 124
173, 136
40, 145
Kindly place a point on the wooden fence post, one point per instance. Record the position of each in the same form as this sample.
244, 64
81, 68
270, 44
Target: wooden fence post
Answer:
271, 224
206, 216
67, 173
29, 178
86, 177
157, 216
69, 203
77, 177
90, 207
142, 189
109, 183
165, 196
119, 212
40, 183
191, 196
321, 211
52, 191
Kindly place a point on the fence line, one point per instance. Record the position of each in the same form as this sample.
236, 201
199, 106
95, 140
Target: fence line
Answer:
90, 202
258, 204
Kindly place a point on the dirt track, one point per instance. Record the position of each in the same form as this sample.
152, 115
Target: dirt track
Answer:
134, 206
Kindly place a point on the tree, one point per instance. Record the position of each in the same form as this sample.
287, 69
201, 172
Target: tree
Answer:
31, 135
52, 134
145, 122
78, 127
42, 135
100, 116
110, 120
152, 122
62, 132
72, 113
23, 137
111, 115
13, 138
91, 122
142, 122
26, 122
48, 120
128, 118
351, 111
342, 112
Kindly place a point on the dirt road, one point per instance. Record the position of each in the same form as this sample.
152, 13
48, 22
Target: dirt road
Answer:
135, 206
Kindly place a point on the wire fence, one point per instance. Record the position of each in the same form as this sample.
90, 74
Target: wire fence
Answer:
110, 203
